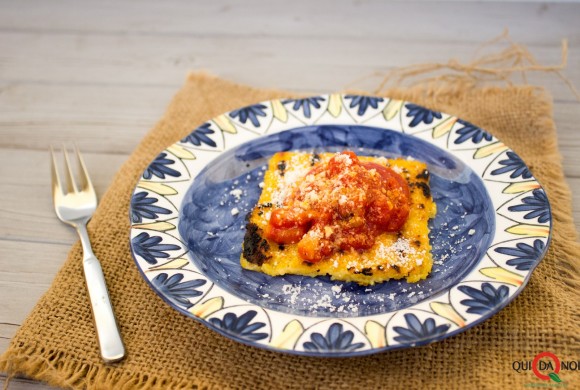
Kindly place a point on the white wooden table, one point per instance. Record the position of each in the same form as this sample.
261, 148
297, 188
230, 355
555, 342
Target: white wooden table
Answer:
102, 73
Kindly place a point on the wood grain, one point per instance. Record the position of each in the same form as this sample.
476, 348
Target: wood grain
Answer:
171, 57
102, 73
439, 21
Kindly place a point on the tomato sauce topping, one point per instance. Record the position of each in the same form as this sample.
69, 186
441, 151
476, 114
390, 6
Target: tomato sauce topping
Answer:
340, 205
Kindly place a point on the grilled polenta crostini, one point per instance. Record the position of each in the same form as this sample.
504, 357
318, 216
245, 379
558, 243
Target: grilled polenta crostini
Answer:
355, 218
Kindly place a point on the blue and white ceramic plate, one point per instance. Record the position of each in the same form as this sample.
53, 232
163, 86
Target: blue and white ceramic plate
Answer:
188, 216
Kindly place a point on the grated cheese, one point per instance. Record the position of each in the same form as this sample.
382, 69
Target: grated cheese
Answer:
237, 193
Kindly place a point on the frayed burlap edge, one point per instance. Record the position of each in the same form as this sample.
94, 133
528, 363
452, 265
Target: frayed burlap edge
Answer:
62, 370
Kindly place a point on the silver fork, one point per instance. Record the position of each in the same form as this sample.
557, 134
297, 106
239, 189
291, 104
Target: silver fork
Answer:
75, 205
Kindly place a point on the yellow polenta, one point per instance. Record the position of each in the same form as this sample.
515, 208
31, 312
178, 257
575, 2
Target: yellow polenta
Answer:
403, 254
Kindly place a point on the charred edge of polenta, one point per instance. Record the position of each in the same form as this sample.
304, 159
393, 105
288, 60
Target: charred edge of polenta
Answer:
255, 246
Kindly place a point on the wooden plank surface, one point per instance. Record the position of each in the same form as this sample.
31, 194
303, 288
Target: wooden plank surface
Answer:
102, 73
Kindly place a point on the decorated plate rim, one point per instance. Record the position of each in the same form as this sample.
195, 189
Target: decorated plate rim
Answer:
161, 255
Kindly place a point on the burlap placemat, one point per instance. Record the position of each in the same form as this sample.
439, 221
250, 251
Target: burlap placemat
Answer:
167, 350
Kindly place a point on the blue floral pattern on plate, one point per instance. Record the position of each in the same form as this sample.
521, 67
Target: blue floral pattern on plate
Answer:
417, 331
524, 255
251, 112
471, 132
150, 248
144, 207
335, 340
484, 300
421, 114
177, 291
200, 136
535, 207
160, 167
305, 104
241, 326
515, 165
489, 205
363, 102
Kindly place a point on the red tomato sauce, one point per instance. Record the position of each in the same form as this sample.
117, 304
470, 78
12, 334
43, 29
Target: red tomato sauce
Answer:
340, 205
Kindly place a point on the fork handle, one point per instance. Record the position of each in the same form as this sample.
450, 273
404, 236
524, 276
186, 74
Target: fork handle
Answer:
110, 342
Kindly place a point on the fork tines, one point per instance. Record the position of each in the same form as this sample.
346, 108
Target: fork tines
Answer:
71, 185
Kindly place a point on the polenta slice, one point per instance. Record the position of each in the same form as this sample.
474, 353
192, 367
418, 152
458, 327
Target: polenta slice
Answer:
403, 251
